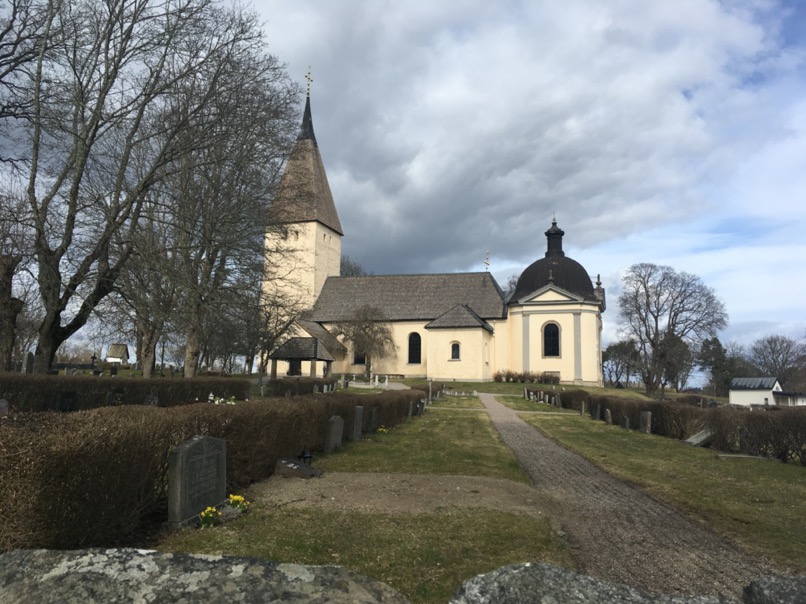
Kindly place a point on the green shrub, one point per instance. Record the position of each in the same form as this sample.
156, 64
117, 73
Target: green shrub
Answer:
297, 386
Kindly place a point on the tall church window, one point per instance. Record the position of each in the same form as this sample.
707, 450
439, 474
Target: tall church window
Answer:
415, 349
455, 351
551, 340
359, 358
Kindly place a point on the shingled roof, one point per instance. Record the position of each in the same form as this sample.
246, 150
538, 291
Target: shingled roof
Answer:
304, 194
305, 349
458, 317
323, 335
409, 297
753, 383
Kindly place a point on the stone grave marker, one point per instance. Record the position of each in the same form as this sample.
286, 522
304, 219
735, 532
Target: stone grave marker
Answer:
582, 408
646, 422
315, 389
113, 370
421, 407
372, 427
114, 397
197, 478
334, 433
3, 407
411, 407
291, 468
68, 401
358, 422
625, 422
596, 411
29, 362
608, 417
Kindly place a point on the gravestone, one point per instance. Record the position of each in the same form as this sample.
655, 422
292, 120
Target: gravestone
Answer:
421, 407
582, 408
197, 478
625, 422
68, 401
411, 406
334, 433
358, 422
113, 370
646, 422
372, 426
608, 417
114, 397
3, 407
29, 362
596, 412
315, 389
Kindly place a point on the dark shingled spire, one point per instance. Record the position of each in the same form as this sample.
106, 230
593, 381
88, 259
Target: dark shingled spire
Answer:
304, 194
306, 131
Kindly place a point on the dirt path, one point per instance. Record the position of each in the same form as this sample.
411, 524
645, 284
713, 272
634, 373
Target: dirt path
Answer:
617, 531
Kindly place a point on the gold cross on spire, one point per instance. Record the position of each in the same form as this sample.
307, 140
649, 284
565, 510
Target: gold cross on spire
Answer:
310, 79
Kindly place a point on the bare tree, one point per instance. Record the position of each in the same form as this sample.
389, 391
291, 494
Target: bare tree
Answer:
778, 356
21, 27
222, 189
658, 303
619, 361
104, 127
351, 268
14, 253
369, 334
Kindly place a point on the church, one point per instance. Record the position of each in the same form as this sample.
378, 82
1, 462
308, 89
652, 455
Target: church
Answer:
454, 326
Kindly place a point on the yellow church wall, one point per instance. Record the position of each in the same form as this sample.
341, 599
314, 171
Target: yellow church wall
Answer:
579, 325
474, 362
306, 255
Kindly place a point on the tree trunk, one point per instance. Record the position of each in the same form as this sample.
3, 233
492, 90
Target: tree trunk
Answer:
148, 360
10, 308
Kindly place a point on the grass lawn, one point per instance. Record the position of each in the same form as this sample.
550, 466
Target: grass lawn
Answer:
443, 441
457, 402
424, 556
760, 504
518, 403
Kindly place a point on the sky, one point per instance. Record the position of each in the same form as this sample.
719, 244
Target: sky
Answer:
670, 132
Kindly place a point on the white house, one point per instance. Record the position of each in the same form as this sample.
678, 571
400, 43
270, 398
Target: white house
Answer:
746, 391
118, 353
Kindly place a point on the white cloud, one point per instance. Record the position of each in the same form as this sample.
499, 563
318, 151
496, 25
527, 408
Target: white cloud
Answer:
661, 132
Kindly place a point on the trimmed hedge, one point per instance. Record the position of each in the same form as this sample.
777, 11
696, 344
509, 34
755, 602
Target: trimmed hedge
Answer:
96, 478
31, 393
777, 432
297, 386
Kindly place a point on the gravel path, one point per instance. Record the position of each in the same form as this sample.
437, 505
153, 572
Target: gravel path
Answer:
618, 532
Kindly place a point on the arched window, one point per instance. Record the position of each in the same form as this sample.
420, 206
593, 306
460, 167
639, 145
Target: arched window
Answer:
415, 349
455, 351
551, 340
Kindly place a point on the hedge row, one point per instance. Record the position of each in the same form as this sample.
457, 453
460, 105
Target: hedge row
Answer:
527, 377
98, 477
29, 393
779, 433
297, 386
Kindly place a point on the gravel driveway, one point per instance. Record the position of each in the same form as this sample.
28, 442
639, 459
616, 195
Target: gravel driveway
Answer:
618, 532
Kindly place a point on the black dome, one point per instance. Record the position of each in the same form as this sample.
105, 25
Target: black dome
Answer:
556, 268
